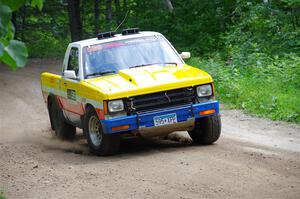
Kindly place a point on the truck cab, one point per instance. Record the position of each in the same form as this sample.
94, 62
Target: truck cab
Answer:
134, 83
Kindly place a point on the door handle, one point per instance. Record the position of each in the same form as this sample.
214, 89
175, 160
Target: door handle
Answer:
65, 83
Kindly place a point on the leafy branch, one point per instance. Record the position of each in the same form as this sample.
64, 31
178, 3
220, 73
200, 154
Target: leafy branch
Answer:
13, 52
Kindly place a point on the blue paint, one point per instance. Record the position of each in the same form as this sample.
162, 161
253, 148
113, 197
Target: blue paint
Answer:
146, 119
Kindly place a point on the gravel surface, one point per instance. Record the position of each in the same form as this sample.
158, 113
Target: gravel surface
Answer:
254, 158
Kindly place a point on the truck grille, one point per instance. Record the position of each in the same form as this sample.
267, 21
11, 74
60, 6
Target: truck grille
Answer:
160, 100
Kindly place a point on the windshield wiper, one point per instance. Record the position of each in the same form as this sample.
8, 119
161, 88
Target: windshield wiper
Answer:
174, 63
142, 65
100, 73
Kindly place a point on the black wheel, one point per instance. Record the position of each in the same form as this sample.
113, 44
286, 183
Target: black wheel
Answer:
50, 111
207, 130
99, 142
62, 129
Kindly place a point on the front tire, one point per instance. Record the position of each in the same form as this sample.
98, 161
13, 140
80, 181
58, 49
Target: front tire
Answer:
207, 130
99, 143
62, 129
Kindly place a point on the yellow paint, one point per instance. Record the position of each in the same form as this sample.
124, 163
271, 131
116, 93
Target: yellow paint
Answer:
131, 82
144, 80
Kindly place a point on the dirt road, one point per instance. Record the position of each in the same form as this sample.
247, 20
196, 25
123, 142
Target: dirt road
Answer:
254, 158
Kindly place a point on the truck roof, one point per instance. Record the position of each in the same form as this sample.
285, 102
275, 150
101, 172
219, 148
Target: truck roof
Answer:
93, 41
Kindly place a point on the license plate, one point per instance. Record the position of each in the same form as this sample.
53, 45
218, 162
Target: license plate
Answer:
165, 119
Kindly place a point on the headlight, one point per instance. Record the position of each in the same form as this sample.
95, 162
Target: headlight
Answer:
115, 106
204, 90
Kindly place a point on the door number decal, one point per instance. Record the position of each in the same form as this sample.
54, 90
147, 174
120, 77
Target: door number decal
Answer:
71, 94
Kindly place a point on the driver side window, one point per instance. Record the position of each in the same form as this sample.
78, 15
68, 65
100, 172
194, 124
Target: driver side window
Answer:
73, 60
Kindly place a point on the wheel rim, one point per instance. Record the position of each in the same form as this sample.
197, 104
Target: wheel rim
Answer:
95, 131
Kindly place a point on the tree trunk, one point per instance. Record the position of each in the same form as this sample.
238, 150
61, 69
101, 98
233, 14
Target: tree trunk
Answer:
118, 11
14, 21
169, 5
82, 14
124, 6
74, 19
23, 22
96, 15
108, 12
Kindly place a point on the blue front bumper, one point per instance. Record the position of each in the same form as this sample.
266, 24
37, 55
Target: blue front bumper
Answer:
146, 119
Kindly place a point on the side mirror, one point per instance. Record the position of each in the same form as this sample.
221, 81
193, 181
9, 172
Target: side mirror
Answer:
185, 55
70, 74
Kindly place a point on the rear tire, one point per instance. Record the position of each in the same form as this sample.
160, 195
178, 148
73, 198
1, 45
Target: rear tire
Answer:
62, 129
50, 112
99, 143
207, 130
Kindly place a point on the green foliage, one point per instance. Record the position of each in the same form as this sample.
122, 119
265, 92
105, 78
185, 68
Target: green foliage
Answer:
15, 54
262, 53
46, 32
12, 52
271, 91
37, 3
43, 44
191, 26
259, 68
13, 5
2, 195
264, 29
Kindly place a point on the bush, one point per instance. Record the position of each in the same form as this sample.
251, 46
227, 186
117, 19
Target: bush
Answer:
259, 68
270, 90
42, 44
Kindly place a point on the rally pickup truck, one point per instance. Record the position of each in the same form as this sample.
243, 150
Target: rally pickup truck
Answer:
129, 84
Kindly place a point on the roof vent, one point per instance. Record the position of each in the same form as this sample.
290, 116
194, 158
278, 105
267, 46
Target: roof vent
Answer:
105, 35
130, 31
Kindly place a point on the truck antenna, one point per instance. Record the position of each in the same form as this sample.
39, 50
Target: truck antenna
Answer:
122, 21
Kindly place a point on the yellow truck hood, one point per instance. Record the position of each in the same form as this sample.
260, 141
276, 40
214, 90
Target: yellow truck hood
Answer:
149, 79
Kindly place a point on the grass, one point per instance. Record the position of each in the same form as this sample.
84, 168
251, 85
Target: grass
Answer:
2, 195
271, 91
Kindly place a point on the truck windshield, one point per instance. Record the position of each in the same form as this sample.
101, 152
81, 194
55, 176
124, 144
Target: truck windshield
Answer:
108, 58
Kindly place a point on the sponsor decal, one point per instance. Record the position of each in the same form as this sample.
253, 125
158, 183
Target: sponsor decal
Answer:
71, 94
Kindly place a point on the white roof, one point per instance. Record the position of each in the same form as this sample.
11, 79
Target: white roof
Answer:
93, 41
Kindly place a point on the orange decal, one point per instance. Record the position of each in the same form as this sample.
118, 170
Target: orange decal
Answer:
73, 107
